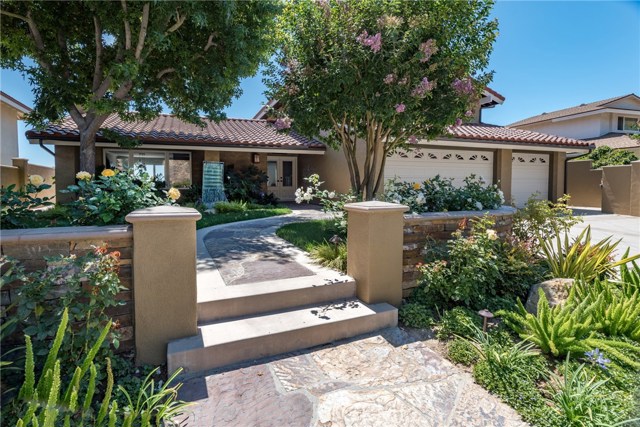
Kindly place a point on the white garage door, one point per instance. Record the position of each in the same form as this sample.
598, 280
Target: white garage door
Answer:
529, 175
422, 164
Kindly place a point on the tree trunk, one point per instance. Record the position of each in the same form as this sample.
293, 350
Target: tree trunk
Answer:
88, 131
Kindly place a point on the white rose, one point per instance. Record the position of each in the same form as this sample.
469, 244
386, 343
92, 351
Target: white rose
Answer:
307, 197
479, 206
298, 199
332, 194
420, 199
492, 234
36, 180
469, 200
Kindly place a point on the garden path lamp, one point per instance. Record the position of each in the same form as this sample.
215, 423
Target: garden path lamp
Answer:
486, 315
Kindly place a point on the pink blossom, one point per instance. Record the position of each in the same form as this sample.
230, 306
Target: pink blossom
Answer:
400, 108
423, 87
374, 42
463, 87
412, 139
469, 113
390, 78
403, 81
458, 122
428, 48
282, 123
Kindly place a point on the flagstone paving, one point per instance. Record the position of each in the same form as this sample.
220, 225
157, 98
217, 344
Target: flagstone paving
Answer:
389, 378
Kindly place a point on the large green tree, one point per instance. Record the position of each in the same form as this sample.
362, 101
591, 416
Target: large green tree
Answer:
375, 75
90, 59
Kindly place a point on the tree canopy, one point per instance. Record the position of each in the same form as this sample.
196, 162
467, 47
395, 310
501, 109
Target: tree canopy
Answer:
376, 75
90, 59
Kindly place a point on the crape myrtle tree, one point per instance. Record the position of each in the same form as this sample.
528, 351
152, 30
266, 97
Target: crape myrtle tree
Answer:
90, 59
376, 75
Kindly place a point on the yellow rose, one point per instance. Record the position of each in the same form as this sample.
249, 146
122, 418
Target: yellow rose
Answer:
83, 176
36, 180
416, 185
108, 172
173, 193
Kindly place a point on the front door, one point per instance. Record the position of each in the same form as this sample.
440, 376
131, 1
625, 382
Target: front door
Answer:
283, 176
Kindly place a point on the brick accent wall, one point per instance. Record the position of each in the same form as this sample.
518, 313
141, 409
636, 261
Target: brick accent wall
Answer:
31, 246
439, 226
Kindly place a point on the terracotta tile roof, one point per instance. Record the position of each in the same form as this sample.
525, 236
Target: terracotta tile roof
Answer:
486, 132
582, 108
168, 129
615, 140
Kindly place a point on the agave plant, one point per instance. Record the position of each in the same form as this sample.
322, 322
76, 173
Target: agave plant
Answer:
579, 258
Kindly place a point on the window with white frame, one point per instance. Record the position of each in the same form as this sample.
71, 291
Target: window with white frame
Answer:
629, 124
173, 167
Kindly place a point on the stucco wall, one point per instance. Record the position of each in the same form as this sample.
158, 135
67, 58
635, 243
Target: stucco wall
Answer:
616, 189
439, 226
30, 247
583, 184
579, 128
8, 134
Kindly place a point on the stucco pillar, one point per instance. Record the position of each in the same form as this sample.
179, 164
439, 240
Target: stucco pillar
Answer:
556, 181
23, 173
164, 274
635, 189
502, 174
374, 250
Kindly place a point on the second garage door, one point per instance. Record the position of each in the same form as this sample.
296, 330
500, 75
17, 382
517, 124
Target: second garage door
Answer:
529, 176
420, 165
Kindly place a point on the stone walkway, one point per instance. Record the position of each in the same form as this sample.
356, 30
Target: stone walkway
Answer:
391, 378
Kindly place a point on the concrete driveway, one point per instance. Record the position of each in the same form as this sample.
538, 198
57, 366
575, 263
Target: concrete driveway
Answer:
604, 225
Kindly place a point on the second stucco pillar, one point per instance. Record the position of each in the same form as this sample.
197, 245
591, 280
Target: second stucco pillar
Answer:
374, 250
164, 274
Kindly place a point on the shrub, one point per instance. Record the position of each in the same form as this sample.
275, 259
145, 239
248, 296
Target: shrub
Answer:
542, 218
606, 156
458, 321
247, 186
440, 195
226, 207
331, 255
53, 401
580, 258
17, 205
415, 315
462, 351
475, 270
331, 201
107, 199
85, 285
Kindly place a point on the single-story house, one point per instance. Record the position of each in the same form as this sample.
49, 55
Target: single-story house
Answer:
521, 162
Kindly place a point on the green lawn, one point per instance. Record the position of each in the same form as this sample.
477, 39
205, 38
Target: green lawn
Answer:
209, 219
307, 235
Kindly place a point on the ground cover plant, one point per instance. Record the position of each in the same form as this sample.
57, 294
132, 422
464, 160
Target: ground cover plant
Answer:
235, 214
315, 237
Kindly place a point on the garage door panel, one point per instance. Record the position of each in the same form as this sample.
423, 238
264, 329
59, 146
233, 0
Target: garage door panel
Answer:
420, 165
529, 175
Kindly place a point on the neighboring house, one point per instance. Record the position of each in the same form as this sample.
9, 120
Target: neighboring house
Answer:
15, 170
522, 162
608, 122
11, 110
176, 150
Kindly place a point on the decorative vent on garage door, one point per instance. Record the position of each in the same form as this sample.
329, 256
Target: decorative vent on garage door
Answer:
418, 154
531, 160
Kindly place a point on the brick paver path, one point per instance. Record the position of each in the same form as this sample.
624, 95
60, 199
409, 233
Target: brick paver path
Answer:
391, 378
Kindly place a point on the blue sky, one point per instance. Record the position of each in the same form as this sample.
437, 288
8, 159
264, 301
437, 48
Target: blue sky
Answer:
548, 55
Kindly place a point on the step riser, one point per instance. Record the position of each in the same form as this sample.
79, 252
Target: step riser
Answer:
248, 305
206, 358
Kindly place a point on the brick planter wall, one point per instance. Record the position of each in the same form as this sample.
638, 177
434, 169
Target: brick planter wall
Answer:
32, 245
439, 226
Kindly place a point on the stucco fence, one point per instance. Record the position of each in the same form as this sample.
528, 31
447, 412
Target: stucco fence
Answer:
157, 268
18, 174
614, 189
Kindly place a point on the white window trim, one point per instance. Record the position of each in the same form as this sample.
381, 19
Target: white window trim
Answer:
167, 177
623, 124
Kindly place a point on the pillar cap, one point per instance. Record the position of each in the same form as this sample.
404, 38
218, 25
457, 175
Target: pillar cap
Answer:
163, 213
375, 206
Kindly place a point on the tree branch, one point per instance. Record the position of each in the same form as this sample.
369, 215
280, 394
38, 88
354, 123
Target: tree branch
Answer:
179, 21
209, 44
164, 72
97, 71
127, 28
143, 31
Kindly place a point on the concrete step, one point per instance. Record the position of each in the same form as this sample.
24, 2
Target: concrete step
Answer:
255, 298
224, 343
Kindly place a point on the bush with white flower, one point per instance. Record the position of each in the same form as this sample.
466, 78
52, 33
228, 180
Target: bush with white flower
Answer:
441, 195
331, 202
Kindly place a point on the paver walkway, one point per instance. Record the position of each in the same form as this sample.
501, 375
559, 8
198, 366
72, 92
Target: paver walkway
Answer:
391, 378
